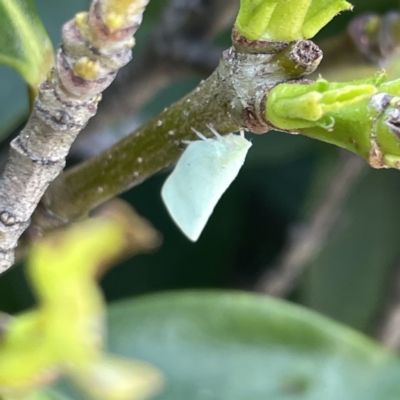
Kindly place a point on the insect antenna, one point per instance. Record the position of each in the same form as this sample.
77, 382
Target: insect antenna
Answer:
212, 129
200, 135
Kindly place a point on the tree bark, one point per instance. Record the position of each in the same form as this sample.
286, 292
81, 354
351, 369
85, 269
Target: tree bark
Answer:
86, 64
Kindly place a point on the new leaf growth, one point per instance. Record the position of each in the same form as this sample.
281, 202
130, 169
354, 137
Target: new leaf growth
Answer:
290, 20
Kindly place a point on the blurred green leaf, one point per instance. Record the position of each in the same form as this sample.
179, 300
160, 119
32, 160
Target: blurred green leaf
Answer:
46, 394
24, 43
237, 346
64, 334
349, 278
13, 99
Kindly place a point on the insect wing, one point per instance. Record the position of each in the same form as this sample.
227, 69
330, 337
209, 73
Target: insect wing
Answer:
201, 176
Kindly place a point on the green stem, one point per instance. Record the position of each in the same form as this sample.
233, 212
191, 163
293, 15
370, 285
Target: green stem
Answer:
362, 116
232, 98
151, 148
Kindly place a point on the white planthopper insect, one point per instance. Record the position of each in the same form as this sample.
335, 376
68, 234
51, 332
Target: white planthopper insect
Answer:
203, 173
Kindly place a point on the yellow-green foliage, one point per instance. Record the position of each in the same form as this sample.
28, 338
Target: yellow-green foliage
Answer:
65, 334
28, 49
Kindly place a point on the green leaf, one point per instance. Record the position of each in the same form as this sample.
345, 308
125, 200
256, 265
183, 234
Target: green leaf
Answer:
286, 20
24, 43
237, 346
56, 338
46, 394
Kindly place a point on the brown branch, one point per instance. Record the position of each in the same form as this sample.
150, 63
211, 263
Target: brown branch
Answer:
85, 65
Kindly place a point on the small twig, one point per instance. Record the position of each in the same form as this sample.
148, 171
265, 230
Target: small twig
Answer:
94, 47
305, 245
